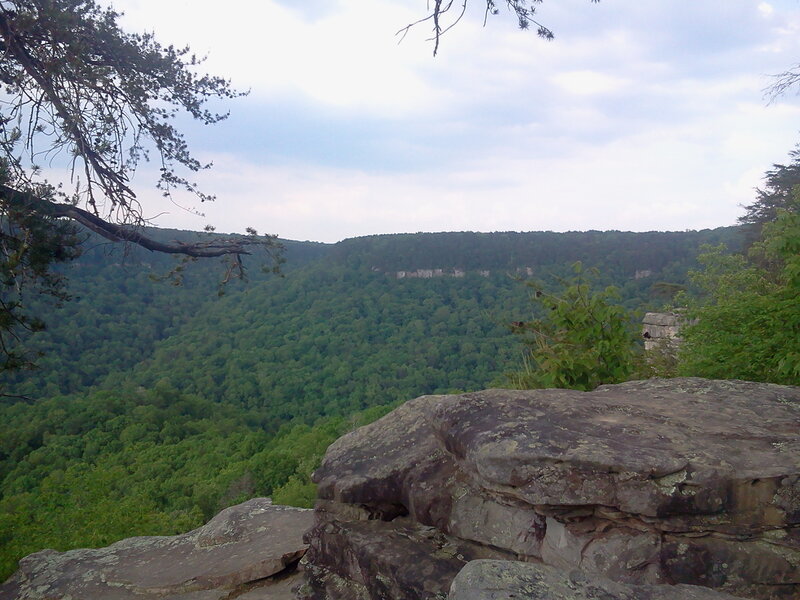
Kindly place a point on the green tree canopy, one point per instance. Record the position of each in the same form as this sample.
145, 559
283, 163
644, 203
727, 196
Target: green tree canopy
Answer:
777, 193
81, 91
746, 323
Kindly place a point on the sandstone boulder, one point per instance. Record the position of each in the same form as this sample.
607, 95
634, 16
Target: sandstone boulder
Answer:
655, 482
242, 545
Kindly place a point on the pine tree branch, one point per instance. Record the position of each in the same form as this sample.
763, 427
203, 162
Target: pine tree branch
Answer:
133, 234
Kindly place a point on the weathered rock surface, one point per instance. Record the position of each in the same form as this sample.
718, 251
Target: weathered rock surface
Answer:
504, 580
236, 551
655, 482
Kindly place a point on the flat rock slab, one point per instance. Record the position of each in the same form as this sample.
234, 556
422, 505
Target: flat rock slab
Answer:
507, 580
244, 543
656, 448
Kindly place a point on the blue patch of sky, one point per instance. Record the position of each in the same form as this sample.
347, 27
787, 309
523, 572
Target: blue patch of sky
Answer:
290, 133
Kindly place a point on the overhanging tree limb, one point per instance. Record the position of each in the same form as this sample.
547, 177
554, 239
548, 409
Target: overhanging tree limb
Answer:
128, 233
113, 181
80, 91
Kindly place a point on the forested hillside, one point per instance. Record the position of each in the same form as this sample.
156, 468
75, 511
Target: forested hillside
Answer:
127, 313
619, 254
124, 300
166, 390
155, 404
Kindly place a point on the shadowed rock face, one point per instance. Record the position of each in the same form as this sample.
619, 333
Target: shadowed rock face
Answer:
663, 481
241, 545
375, 559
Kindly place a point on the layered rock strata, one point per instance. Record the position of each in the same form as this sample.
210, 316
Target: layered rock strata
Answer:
661, 330
247, 551
682, 481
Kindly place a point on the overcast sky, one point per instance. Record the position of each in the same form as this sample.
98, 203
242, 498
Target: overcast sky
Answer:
641, 115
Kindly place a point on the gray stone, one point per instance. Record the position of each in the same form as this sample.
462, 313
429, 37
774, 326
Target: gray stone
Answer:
513, 526
662, 330
242, 544
723, 455
662, 319
506, 580
378, 464
280, 587
660, 481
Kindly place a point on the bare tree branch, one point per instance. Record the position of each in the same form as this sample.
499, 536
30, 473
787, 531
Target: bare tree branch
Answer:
524, 10
133, 234
782, 83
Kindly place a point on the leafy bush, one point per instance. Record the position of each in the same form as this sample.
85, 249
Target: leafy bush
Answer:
584, 340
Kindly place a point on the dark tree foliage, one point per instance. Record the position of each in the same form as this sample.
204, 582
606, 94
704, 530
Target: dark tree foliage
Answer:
777, 194
98, 94
79, 91
340, 329
745, 324
30, 242
440, 11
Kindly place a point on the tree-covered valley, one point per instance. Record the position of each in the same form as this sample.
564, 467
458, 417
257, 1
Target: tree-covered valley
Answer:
150, 378
160, 396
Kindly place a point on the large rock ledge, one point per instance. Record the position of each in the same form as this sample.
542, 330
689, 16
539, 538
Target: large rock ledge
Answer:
656, 482
246, 551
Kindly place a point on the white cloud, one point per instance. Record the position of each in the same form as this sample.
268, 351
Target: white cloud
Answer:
589, 83
670, 177
639, 115
346, 58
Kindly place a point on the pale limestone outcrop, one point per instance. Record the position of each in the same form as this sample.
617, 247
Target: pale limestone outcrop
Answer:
661, 330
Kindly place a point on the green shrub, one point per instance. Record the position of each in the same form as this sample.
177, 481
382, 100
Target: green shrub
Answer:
584, 339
